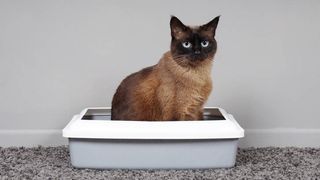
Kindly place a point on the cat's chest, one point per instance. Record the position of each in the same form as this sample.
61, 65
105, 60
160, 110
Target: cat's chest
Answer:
184, 91
193, 93
185, 88
190, 85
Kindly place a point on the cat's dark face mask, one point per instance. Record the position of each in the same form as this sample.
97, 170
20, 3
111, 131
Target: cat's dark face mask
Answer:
194, 44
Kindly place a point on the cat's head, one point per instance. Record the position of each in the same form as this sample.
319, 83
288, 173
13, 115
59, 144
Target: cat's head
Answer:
193, 45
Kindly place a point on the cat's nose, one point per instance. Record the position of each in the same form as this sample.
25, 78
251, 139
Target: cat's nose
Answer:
197, 52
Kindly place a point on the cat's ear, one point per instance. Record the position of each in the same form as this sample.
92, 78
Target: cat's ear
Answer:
212, 25
177, 27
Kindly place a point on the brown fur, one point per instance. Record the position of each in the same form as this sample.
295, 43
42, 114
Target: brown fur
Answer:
174, 89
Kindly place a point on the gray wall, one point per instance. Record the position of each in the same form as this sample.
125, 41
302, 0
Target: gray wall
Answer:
58, 57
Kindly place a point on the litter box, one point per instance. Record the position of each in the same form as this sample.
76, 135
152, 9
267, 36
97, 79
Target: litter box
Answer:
95, 141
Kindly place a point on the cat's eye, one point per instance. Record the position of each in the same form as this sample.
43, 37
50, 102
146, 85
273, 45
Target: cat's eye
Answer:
205, 43
186, 44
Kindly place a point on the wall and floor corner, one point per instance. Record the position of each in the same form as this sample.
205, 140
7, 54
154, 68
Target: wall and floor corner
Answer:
58, 57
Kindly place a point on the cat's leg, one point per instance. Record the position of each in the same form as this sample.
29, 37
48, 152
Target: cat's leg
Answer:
194, 117
200, 114
189, 113
165, 96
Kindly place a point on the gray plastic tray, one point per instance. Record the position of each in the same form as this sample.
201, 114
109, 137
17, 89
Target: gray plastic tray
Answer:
151, 153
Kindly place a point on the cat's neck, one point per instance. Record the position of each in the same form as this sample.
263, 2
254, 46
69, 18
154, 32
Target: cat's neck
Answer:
200, 73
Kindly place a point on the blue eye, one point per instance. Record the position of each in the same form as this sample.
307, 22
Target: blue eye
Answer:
205, 43
186, 44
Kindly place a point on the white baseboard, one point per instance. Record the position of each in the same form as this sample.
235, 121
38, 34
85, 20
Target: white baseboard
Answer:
281, 137
278, 137
32, 137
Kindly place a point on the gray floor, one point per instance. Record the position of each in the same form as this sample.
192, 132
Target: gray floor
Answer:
252, 163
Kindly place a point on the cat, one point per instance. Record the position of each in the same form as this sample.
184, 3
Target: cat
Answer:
177, 87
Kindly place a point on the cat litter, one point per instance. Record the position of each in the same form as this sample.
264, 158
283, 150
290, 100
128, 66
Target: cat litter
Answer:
95, 141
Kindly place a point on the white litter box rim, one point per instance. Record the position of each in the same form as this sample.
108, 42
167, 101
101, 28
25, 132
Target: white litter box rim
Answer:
122, 129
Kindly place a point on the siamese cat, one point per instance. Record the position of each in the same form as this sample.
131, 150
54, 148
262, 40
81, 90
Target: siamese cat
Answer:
177, 87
